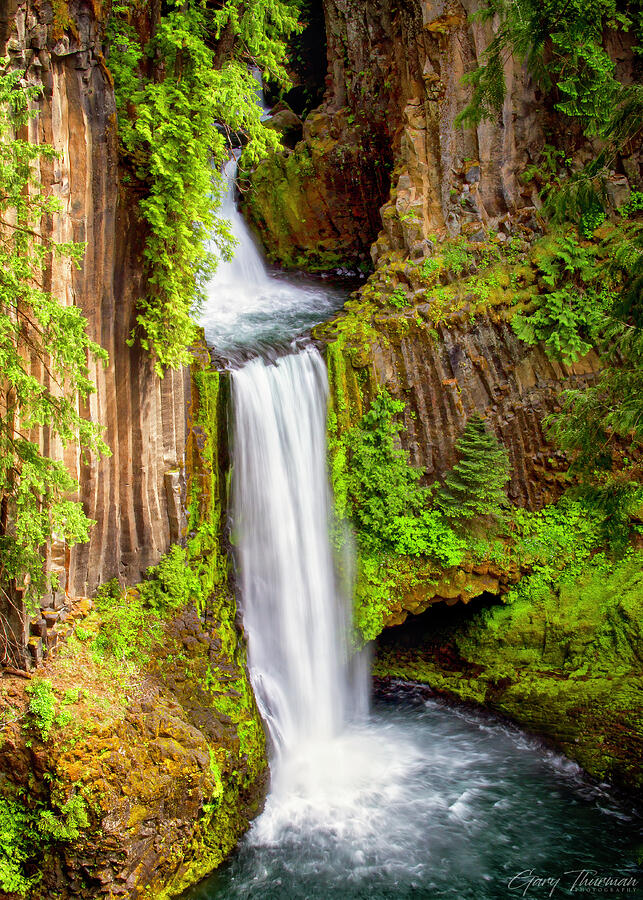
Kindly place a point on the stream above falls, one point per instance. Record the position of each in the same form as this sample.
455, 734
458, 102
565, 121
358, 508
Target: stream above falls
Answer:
414, 798
251, 310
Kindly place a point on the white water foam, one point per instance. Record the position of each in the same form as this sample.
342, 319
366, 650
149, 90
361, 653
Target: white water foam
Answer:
249, 308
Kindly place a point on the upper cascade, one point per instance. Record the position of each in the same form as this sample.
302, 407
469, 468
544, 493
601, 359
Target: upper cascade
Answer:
249, 309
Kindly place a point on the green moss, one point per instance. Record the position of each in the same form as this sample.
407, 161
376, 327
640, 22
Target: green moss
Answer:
62, 20
206, 479
385, 586
279, 190
563, 661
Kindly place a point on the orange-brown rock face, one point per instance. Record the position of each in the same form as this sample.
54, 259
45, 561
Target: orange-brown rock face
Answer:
317, 208
395, 72
134, 494
393, 91
414, 78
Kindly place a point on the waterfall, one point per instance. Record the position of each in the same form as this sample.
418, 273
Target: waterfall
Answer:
398, 803
293, 611
311, 688
250, 310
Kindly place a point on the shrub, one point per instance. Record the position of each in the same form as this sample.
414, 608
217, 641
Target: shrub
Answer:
42, 706
381, 485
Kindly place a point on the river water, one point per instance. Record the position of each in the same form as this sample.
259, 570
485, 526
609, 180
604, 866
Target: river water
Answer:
251, 310
412, 798
428, 801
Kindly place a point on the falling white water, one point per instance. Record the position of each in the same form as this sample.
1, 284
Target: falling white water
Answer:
312, 692
249, 309
295, 617
296, 611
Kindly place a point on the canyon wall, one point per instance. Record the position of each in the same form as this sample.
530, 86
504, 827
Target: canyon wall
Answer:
382, 158
447, 372
385, 143
135, 494
393, 91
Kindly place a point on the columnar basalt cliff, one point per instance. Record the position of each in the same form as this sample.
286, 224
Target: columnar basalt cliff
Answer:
447, 372
413, 72
134, 495
395, 73
394, 90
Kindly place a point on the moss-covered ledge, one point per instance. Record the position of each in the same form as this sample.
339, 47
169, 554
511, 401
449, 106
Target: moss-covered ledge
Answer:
567, 667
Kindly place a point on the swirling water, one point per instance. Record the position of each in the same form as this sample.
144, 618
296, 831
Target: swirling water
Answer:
414, 799
427, 801
251, 310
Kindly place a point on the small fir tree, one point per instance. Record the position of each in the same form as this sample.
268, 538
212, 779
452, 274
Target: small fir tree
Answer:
475, 486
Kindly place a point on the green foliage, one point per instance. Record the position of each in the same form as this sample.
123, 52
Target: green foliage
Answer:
562, 48
42, 712
428, 534
550, 159
42, 706
399, 298
127, 630
634, 205
36, 331
171, 584
476, 486
392, 513
594, 419
601, 426
570, 314
430, 267
66, 823
457, 256
26, 832
557, 543
16, 833
591, 218
172, 92
381, 486
260, 27
132, 621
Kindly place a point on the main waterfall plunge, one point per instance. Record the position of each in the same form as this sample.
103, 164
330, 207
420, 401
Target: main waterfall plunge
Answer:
295, 615
414, 800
